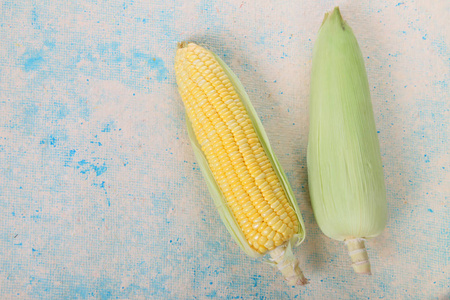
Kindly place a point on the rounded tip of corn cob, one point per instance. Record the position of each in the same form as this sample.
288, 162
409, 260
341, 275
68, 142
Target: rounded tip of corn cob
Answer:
182, 44
358, 254
287, 264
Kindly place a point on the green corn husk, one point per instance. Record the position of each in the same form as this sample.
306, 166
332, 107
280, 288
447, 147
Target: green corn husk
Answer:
345, 172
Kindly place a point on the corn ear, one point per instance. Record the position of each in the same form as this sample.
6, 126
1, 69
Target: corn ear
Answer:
214, 99
345, 172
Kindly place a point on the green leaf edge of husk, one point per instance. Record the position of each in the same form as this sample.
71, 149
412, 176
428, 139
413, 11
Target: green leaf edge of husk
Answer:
219, 199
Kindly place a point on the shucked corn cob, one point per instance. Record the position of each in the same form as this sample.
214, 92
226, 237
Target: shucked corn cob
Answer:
236, 158
345, 172
244, 177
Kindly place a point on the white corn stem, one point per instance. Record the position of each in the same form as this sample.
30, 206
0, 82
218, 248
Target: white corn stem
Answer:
358, 254
288, 265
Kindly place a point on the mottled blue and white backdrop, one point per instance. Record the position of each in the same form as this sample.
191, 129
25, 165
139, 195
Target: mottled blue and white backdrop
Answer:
100, 195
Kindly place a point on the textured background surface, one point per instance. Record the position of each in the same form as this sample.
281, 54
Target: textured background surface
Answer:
100, 194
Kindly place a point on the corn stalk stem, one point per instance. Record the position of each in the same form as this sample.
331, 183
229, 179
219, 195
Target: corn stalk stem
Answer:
288, 264
358, 254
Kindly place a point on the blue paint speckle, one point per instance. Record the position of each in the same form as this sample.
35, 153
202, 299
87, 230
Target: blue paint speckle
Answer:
60, 110
430, 210
82, 162
99, 170
32, 60
52, 140
155, 63
213, 294
98, 143
255, 279
108, 127
49, 45
34, 19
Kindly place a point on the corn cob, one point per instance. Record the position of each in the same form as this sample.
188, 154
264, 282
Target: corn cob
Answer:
345, 172
237, 162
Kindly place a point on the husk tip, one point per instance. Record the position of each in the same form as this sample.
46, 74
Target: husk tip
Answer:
335, 14
325, 17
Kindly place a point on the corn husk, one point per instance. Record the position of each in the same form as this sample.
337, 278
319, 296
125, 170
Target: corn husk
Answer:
281, 257
345, 171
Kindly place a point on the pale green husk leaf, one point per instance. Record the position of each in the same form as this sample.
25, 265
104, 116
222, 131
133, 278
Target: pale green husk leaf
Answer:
345, 173
219, 200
